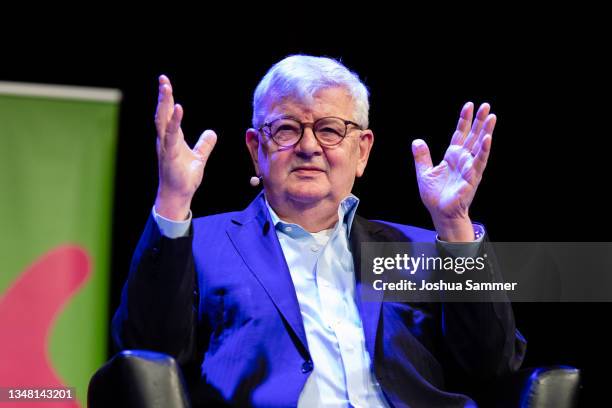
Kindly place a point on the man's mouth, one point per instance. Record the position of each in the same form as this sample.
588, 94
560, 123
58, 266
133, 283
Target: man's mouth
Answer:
307, 170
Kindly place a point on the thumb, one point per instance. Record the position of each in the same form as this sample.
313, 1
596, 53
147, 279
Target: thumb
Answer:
422, 158
205, 144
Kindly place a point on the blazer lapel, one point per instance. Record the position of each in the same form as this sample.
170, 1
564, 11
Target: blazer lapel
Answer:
254, 237
363, 231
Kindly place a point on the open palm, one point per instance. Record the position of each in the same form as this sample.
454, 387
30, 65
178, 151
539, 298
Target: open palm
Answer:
447, 190
181, 168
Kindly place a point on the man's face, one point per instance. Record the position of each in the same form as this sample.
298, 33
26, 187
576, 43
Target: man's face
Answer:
308, 173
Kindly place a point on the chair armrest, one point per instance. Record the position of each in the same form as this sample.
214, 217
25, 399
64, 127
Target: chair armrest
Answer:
140, 379
552, 386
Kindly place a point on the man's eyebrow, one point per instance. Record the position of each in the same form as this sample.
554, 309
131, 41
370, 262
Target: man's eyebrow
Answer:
282, 116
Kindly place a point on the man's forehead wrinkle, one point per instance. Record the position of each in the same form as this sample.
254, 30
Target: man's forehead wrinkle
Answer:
318, 106
283, 109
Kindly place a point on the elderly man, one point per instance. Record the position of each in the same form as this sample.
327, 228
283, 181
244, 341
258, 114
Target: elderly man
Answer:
265, 302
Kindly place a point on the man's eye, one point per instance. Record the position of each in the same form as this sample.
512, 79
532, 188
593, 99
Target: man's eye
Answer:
329, 130
284, 128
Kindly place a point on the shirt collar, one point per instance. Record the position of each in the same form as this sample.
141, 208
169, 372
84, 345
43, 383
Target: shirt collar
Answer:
346, 213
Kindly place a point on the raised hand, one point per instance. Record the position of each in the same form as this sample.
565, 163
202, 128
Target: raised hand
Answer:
181, 168
447, 190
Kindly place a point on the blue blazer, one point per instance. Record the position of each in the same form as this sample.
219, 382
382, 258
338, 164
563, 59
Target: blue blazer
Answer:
221, 301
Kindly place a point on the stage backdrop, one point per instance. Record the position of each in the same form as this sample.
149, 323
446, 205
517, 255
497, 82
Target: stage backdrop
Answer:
57, 154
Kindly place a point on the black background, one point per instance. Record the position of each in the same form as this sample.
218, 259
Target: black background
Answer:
548, 175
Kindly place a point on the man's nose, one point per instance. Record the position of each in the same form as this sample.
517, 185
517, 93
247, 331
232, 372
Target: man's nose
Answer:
308, 144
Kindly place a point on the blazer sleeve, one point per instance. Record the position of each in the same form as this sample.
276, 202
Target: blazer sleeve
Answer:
482, 336
159, 299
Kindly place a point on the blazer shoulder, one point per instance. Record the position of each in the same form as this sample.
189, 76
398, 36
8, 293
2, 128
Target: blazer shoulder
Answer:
214, 222
415, 234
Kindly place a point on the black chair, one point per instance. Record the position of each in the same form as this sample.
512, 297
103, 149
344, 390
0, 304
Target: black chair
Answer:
138, 379
145, 379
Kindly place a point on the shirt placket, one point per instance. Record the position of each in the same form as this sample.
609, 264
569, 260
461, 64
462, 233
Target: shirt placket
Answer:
335, 295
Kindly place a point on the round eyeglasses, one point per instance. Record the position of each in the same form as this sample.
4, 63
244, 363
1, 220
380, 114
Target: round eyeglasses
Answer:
288, 131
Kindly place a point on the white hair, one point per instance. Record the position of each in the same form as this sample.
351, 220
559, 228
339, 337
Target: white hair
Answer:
301, 77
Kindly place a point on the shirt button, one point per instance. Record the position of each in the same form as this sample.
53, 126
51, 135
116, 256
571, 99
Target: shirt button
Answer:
307, 366
314, 248
288, 229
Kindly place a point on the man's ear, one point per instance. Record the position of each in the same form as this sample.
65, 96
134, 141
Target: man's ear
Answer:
366, 140
252, 143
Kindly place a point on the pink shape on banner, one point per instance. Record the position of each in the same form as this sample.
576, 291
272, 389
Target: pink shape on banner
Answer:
28, 310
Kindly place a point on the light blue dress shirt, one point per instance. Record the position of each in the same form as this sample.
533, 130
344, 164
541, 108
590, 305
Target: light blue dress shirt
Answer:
322, 271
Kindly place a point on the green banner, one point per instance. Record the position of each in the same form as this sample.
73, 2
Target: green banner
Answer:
57, 159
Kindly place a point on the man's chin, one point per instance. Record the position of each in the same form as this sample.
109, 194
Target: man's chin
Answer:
308, 194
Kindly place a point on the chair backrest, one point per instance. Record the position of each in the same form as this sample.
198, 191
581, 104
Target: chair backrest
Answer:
540, 387
139, 379
552, 387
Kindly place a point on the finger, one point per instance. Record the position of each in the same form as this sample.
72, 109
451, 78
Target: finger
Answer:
205, 144
173, 130
465, 120
422, 158
165, 105
481, 117
487, 129
482, 156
